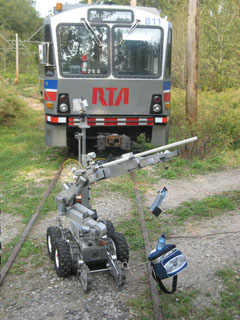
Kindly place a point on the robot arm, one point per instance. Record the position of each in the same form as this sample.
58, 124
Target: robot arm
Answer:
127, 163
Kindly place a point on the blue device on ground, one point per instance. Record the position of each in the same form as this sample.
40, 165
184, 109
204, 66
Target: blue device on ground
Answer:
166, 261
156, 210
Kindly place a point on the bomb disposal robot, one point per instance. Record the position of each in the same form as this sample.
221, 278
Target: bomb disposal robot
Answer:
91, 245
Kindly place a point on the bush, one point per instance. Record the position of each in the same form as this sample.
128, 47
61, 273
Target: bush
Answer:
218, 121
10, 105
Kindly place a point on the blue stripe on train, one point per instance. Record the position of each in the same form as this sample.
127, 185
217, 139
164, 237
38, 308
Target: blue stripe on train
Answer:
50, 84
167, 85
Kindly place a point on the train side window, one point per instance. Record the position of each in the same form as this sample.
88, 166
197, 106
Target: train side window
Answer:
47, 35
169, 55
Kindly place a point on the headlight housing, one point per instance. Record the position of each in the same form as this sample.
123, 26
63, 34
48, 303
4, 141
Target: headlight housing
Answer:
63, 103
156, 104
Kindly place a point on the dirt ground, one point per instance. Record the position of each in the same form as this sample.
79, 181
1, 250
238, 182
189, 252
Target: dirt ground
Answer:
208, 254
40, 294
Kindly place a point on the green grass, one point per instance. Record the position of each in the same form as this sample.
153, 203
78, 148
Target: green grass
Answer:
179, 167
218, 144
197, 209
31, 255
218, 122
131, 228
207, 207
26, 165
31, 252
143, 304
193, 210
122, 184
181, 305
8, 249
230, 296
25, 79
176, 306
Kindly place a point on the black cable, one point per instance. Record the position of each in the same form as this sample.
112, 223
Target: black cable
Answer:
203, 236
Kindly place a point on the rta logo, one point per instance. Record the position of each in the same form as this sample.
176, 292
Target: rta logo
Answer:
109, 97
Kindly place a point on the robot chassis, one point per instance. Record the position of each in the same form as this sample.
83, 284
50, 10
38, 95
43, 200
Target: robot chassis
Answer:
91, 245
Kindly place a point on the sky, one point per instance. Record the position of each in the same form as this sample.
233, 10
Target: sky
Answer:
44, 6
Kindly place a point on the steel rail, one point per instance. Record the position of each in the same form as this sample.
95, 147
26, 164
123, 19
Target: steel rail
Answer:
29, 226
158, 315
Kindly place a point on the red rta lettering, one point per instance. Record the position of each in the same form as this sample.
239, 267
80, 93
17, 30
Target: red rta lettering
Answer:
110, 97
98, 93
123, 92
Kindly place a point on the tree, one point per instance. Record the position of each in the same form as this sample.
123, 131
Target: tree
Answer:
19, 16
177, 13
219, 44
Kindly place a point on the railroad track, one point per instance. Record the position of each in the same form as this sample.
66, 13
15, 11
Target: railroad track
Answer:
158, 315
29, 227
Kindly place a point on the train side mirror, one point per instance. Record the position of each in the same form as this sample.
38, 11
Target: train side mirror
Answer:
42, 50
44, 53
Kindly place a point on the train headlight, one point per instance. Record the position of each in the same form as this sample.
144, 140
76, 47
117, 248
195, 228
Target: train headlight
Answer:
63, 107
63, 103
156, 108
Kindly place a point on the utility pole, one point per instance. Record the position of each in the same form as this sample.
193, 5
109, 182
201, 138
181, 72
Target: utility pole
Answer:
16, 58
192, 62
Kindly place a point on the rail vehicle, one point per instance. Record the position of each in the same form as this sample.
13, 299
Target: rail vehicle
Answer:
115, 57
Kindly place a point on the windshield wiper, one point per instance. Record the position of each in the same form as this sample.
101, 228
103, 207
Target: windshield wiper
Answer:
133, 27
90, 28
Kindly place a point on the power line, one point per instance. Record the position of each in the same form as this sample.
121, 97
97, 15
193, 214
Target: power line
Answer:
35, 33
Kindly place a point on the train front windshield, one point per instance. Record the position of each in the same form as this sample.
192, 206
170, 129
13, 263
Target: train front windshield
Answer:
137, 52
82, 52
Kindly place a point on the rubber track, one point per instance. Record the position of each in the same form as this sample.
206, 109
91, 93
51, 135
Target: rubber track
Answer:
158, 315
